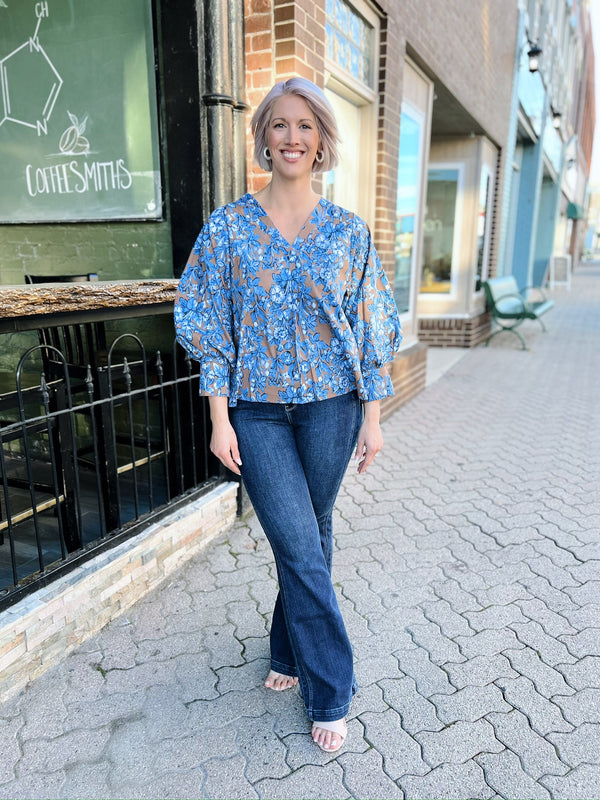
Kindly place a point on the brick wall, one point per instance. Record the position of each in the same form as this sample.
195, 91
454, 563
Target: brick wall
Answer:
283, 39
390, 102
300, 39
408, 373
260, 73
455, 332
496, 211
470, 47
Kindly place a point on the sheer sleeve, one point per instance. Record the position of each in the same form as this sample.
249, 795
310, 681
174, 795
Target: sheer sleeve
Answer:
371, 311
203, 309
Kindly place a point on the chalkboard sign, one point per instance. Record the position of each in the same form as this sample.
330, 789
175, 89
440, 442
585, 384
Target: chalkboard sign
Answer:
78, 111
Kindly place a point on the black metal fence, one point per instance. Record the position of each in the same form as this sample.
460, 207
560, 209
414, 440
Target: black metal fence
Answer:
88, 455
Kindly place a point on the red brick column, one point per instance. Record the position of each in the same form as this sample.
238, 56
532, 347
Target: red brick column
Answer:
283, 39
260, 73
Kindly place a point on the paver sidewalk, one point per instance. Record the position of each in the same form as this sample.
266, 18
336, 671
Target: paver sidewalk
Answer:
468, 570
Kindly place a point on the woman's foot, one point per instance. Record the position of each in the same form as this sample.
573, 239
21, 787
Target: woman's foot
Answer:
330, 736
279, 682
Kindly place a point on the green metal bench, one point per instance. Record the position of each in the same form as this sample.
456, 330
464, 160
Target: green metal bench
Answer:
510, 307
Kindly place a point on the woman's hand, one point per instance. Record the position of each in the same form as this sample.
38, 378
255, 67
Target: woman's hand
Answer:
370, 440
223, 442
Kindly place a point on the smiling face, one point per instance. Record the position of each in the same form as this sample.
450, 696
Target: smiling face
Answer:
292, 137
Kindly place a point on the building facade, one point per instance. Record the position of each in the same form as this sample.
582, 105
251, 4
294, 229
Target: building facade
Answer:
552, 119
424, 136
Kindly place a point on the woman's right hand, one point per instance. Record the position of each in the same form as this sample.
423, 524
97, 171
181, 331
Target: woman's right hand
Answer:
223, 442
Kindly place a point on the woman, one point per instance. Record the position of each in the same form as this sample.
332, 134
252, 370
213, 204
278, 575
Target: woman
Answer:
286, 307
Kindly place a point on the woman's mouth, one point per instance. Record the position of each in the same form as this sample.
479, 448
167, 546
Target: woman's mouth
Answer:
291, 155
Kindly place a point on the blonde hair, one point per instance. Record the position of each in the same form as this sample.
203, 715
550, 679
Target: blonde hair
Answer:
320, 107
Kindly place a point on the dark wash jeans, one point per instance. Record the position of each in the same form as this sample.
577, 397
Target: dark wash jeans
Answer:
294, 457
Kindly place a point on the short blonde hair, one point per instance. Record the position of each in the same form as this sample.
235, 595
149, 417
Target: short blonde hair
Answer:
320, 107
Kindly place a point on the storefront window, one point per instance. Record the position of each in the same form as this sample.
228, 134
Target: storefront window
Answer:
438, 233
407, 204
79, 116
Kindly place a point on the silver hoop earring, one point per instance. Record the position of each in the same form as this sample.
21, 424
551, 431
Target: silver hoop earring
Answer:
319, 157
267, 154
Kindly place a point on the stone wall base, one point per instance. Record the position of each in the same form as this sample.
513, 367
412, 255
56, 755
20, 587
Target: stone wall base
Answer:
444, 332
40, 630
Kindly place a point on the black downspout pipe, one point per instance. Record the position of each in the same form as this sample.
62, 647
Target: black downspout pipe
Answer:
224, 107
238, 82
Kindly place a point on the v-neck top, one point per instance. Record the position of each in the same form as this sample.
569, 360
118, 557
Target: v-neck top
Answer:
274, 321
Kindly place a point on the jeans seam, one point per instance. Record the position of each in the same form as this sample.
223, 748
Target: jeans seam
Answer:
326, 715
302, 675
284, 669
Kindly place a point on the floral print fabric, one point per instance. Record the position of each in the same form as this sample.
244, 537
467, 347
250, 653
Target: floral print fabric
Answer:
282, 322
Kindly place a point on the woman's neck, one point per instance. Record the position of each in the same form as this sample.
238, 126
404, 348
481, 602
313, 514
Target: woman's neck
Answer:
287, 195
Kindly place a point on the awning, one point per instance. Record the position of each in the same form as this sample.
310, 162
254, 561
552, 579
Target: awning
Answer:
575, 211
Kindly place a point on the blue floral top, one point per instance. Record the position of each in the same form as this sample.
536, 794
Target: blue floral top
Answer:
287, 323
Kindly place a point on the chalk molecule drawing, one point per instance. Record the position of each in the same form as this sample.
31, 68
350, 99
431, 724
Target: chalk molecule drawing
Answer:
27, 101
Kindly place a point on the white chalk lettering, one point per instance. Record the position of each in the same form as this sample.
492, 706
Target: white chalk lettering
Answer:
94, 176
125, 178
47, 180
80, 184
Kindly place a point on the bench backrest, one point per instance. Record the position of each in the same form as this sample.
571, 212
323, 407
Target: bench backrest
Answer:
500, 287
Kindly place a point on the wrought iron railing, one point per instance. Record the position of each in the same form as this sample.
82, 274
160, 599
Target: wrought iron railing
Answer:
87, 456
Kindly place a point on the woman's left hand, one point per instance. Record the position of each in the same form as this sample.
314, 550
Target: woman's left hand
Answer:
370, 439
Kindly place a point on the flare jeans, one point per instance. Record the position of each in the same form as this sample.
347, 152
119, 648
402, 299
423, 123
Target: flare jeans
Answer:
294, 457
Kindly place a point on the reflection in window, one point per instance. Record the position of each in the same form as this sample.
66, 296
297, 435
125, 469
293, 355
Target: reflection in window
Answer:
483, 225
438, 230
407, 206
349, 40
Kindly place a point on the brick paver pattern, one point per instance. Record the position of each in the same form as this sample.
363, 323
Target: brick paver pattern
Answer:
468, 570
